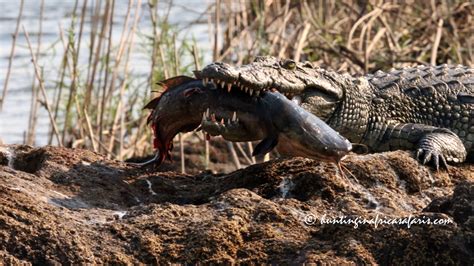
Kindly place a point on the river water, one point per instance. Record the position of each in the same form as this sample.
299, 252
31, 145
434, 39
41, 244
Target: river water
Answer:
14, 116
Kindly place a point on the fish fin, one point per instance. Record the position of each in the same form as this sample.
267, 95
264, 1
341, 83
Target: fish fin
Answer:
149, 118
174, 81
152, 104
466, 98
265, 146
167, 84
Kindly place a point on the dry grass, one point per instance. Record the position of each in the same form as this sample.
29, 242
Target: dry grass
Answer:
98, 107
352, 36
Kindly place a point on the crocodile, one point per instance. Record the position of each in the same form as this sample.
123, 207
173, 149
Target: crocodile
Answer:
426, 109
186, 104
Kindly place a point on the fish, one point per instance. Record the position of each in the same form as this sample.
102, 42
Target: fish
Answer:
228, 110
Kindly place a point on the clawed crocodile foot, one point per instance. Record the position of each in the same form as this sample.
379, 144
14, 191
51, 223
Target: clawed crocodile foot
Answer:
440, 147
425, 156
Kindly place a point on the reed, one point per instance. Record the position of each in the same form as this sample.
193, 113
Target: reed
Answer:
33, 118
352, 36
12, 54
43, 90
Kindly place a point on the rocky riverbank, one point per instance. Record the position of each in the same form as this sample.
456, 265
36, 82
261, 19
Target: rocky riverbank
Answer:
74, 206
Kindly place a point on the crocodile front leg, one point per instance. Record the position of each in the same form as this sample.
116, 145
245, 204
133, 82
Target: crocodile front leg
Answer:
438, 145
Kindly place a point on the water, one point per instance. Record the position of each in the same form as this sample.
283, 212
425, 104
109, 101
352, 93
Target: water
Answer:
15, 114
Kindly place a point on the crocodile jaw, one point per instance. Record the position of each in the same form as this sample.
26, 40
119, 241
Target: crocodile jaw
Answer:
270, 73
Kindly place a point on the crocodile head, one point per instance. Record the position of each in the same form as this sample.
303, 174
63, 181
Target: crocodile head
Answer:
317, 90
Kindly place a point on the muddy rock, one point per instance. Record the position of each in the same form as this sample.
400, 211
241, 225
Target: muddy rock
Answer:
61, 205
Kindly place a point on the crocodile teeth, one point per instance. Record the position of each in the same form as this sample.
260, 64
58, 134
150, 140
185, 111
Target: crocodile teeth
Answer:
251, 92
229, 87
234, 116
222, 121
204, 116
222, 84
257, 93
228, 121
213, 118
204, 81
207, 112
246, 89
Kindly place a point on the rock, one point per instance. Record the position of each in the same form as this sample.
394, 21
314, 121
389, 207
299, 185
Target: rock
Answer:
72, 206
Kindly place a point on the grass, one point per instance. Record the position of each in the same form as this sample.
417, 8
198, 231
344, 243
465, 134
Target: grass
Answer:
97, 101
352, 37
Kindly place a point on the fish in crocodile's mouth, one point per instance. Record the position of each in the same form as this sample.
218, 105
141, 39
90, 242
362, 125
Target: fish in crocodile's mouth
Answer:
238, 114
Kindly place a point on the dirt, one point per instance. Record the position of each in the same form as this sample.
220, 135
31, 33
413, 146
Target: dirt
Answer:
72, 206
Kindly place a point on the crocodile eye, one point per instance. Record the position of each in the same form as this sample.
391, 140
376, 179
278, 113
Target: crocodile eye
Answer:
289, 64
